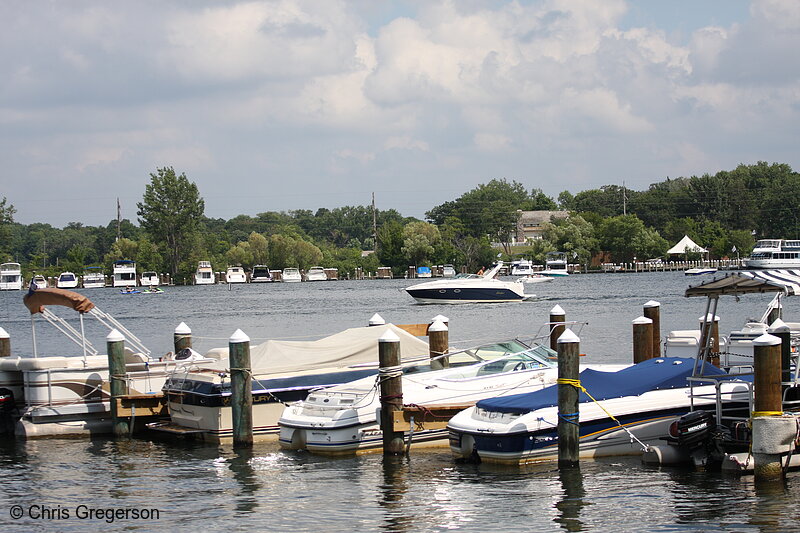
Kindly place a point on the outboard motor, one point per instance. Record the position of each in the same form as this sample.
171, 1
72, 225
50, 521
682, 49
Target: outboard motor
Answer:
692, 430
7, 409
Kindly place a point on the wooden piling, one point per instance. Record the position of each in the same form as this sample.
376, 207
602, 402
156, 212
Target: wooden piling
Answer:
568, 419
241, 390
390, 376
557, 315
115, 344
182, 338
438, 344
5, 343
642, 339
768, 405
780, 329
652, 310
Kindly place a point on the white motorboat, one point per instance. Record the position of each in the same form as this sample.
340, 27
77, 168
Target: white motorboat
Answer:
555, 264
150, 279
69, 395
235, 274
39, 282
448, 271
10, 277
260, 274
204, 275
536, 278
699, 271
521, 267
466, 288
282, 371
93, 277
67, 280
316, 273
342, 419
124, 273
291, 275
774, 253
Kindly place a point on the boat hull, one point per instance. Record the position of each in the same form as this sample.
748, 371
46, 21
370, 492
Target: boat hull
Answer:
464, 294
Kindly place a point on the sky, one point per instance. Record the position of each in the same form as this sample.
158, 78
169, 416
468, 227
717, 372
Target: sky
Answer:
292, 104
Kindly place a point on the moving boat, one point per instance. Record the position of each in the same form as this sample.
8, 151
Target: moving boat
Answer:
291, 275
774, 253
204, 275
536, 278
235, 274
555, 264
124, 273
469, 288
342, 419
150, 279
260, 274
93, 277
282, 371
699, 271
67, 280
10, 277
316, 273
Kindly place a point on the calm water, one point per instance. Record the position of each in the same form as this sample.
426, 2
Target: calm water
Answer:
203, 487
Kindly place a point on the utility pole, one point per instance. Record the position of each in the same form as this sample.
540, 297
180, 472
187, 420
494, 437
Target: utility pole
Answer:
624, 200
119, 231
374, 227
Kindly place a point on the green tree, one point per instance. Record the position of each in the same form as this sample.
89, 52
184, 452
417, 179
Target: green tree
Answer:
573, 235
626, 237
259, 247
170, 212
6, 222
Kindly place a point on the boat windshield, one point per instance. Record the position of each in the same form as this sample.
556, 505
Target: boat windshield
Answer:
494, 358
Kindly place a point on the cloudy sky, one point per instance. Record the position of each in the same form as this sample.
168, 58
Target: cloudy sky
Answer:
291, 104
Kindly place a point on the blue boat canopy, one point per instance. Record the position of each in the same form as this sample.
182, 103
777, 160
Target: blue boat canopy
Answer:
653, 374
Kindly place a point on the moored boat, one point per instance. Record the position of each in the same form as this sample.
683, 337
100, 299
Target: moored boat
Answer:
204, 275
67, 280
235, 274
260, 274
774, 254
555, 264
150, 279
291, 275
124, 273
10, 277
316, 273
93, 277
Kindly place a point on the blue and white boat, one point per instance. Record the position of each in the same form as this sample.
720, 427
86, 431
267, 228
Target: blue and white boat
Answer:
469, 288
424, 272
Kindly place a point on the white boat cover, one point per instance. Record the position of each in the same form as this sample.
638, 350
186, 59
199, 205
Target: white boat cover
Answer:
350, 347
684, 244
750, 281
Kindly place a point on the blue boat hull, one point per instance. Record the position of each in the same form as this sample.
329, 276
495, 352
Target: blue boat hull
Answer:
459, 295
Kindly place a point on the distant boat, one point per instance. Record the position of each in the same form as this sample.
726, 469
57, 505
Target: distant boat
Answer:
448, 271
235, 274
10, 277
150, 279
260, 274
774, 253
204, 275
423, 272
39, 281
521, 267
699, 271
93, 277
124, 273
67, 280
316, 273
469, 288
555, 264
291, 275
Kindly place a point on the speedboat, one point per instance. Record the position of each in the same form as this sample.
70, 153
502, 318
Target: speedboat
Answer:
535, 278
199, 401
343, 419
39, 281
235, 274
124, 273
260, 274
67, 280
469, 288
316, 273
93, 277
555, 264
699, 271
10, 277
149, 279
291, 275
204, 275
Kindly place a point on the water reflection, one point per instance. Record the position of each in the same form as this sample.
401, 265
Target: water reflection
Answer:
572, 499
240, 464
392, 491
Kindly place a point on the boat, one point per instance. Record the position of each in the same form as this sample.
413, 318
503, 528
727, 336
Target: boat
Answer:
69, 395
150, 279
466, 288
67, 280
124, 273
555, 264
343, 419
10, 277
774, 254
235, 274
260, 274
424, 272
536, 278
204, 275
316, 273
448, 271
153, 290
39, 281
282, 371
291, 275
93, 277
521, 267
699, 271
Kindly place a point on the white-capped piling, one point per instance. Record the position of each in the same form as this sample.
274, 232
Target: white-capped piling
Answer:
182, 338
390, 375
642, 339
115, 345
652, 310
438, 344
241, 389
5, 343
376, 320
557, 319
568, 395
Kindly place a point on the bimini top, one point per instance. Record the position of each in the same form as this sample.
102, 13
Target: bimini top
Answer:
650, 375
749, 281
36, 299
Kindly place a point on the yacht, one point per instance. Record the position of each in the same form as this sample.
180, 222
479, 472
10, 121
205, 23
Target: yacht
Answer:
150, 279
291, 275
235, 274
774, 253
555, 264
260, 274
124, 273
204, 275
316, 273
10, 277
521, 267
67, 280
469, 288
93, 277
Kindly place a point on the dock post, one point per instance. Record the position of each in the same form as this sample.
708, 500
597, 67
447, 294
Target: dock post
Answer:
710, 323
773, 434
775, 312
376, 320
390, 376
568, 395
241, 390
652, 310
5, 343
438, 344
182, 338
115, 344
780, 329
557, 314
642, 339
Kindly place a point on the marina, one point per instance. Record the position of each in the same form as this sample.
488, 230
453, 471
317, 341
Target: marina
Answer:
427, 491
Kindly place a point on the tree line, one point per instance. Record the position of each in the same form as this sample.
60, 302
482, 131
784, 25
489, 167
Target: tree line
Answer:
724, 212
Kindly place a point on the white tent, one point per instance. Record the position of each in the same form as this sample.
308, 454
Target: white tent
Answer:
686, 245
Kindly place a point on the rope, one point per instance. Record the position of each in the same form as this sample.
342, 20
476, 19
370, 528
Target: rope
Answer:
388, 372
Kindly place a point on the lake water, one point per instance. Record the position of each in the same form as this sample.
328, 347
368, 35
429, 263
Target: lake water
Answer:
184, 486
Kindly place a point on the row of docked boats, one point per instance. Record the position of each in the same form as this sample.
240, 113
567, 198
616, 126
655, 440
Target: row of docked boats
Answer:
205, 275
124, 275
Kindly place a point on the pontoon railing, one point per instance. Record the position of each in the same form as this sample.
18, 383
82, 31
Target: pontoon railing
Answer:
70, 332
112, 323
